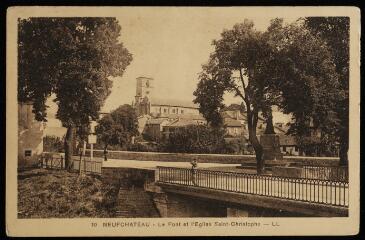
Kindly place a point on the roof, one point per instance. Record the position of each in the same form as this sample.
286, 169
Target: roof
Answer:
173, 103
232, 114
183, 116
55, 131
183, 123
156, 120
232, 122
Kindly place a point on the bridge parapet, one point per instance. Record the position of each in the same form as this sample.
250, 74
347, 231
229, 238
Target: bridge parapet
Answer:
319, 197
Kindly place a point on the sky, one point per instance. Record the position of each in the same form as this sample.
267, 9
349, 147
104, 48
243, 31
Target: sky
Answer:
170, 45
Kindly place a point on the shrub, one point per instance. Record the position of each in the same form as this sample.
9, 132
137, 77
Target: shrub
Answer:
195, 139
53, 144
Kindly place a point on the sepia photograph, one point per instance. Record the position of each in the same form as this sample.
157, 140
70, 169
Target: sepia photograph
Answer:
167, 119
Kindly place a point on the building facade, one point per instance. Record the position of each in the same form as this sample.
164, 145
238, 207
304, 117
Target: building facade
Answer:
147, 104
156, 117
30, 136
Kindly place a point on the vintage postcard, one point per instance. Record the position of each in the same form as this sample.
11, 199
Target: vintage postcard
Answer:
182, 121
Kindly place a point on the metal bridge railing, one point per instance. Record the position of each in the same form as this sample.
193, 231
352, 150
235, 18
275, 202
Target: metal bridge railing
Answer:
308, 190
332, 173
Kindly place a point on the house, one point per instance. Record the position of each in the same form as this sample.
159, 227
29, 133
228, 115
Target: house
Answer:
288, 145
30, 136
154, 128
155, 114
180, 123
235, 122
234, 128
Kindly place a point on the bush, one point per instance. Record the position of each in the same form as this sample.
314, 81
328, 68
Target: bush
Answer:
141, 147
196, 139
53, 144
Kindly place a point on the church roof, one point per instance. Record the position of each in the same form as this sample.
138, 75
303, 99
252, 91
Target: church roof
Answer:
173, 103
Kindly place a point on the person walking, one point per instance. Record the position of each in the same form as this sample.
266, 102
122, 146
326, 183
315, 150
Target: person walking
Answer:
194, 165
105, 154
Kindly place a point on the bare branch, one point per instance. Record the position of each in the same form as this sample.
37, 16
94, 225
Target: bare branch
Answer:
238, 93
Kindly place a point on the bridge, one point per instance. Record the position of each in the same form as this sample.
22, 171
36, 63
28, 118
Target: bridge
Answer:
182, 192
243, 192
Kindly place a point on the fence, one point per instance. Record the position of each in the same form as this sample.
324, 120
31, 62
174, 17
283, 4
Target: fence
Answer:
300, 189
87, 165
53, 161
332, 173
57, 161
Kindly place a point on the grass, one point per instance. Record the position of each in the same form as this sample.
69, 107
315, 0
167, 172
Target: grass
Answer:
44, 193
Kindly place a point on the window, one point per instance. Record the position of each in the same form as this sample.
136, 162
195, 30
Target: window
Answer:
296, 148
182, 111
28, 153
165, 110
173, 110
284, 148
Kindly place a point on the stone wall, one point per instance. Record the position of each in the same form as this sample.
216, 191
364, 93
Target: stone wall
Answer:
128, 191
128, 176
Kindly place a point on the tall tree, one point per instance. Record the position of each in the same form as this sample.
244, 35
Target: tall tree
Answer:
238, 65
306, 76
118, 127
72, 58
285, 66
336, 32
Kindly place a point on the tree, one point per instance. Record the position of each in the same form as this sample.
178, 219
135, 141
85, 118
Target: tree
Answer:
196, 139
235, 107
241, 51
72, 58
285, 66
307, 79
118, 127
336, 32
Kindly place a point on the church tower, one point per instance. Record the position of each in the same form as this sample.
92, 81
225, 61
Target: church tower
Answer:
143, 92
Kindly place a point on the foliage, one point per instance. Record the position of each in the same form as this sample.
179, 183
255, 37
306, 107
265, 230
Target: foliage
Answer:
335, 31
139, 147
239, 65
305, 76
195, 139
72, 58
235, 107
235, 145
46, 193
53, 144
286, 65
118, 127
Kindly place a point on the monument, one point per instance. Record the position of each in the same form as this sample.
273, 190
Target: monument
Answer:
270, 142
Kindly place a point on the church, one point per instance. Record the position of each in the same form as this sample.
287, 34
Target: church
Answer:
146, 103
158, 117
